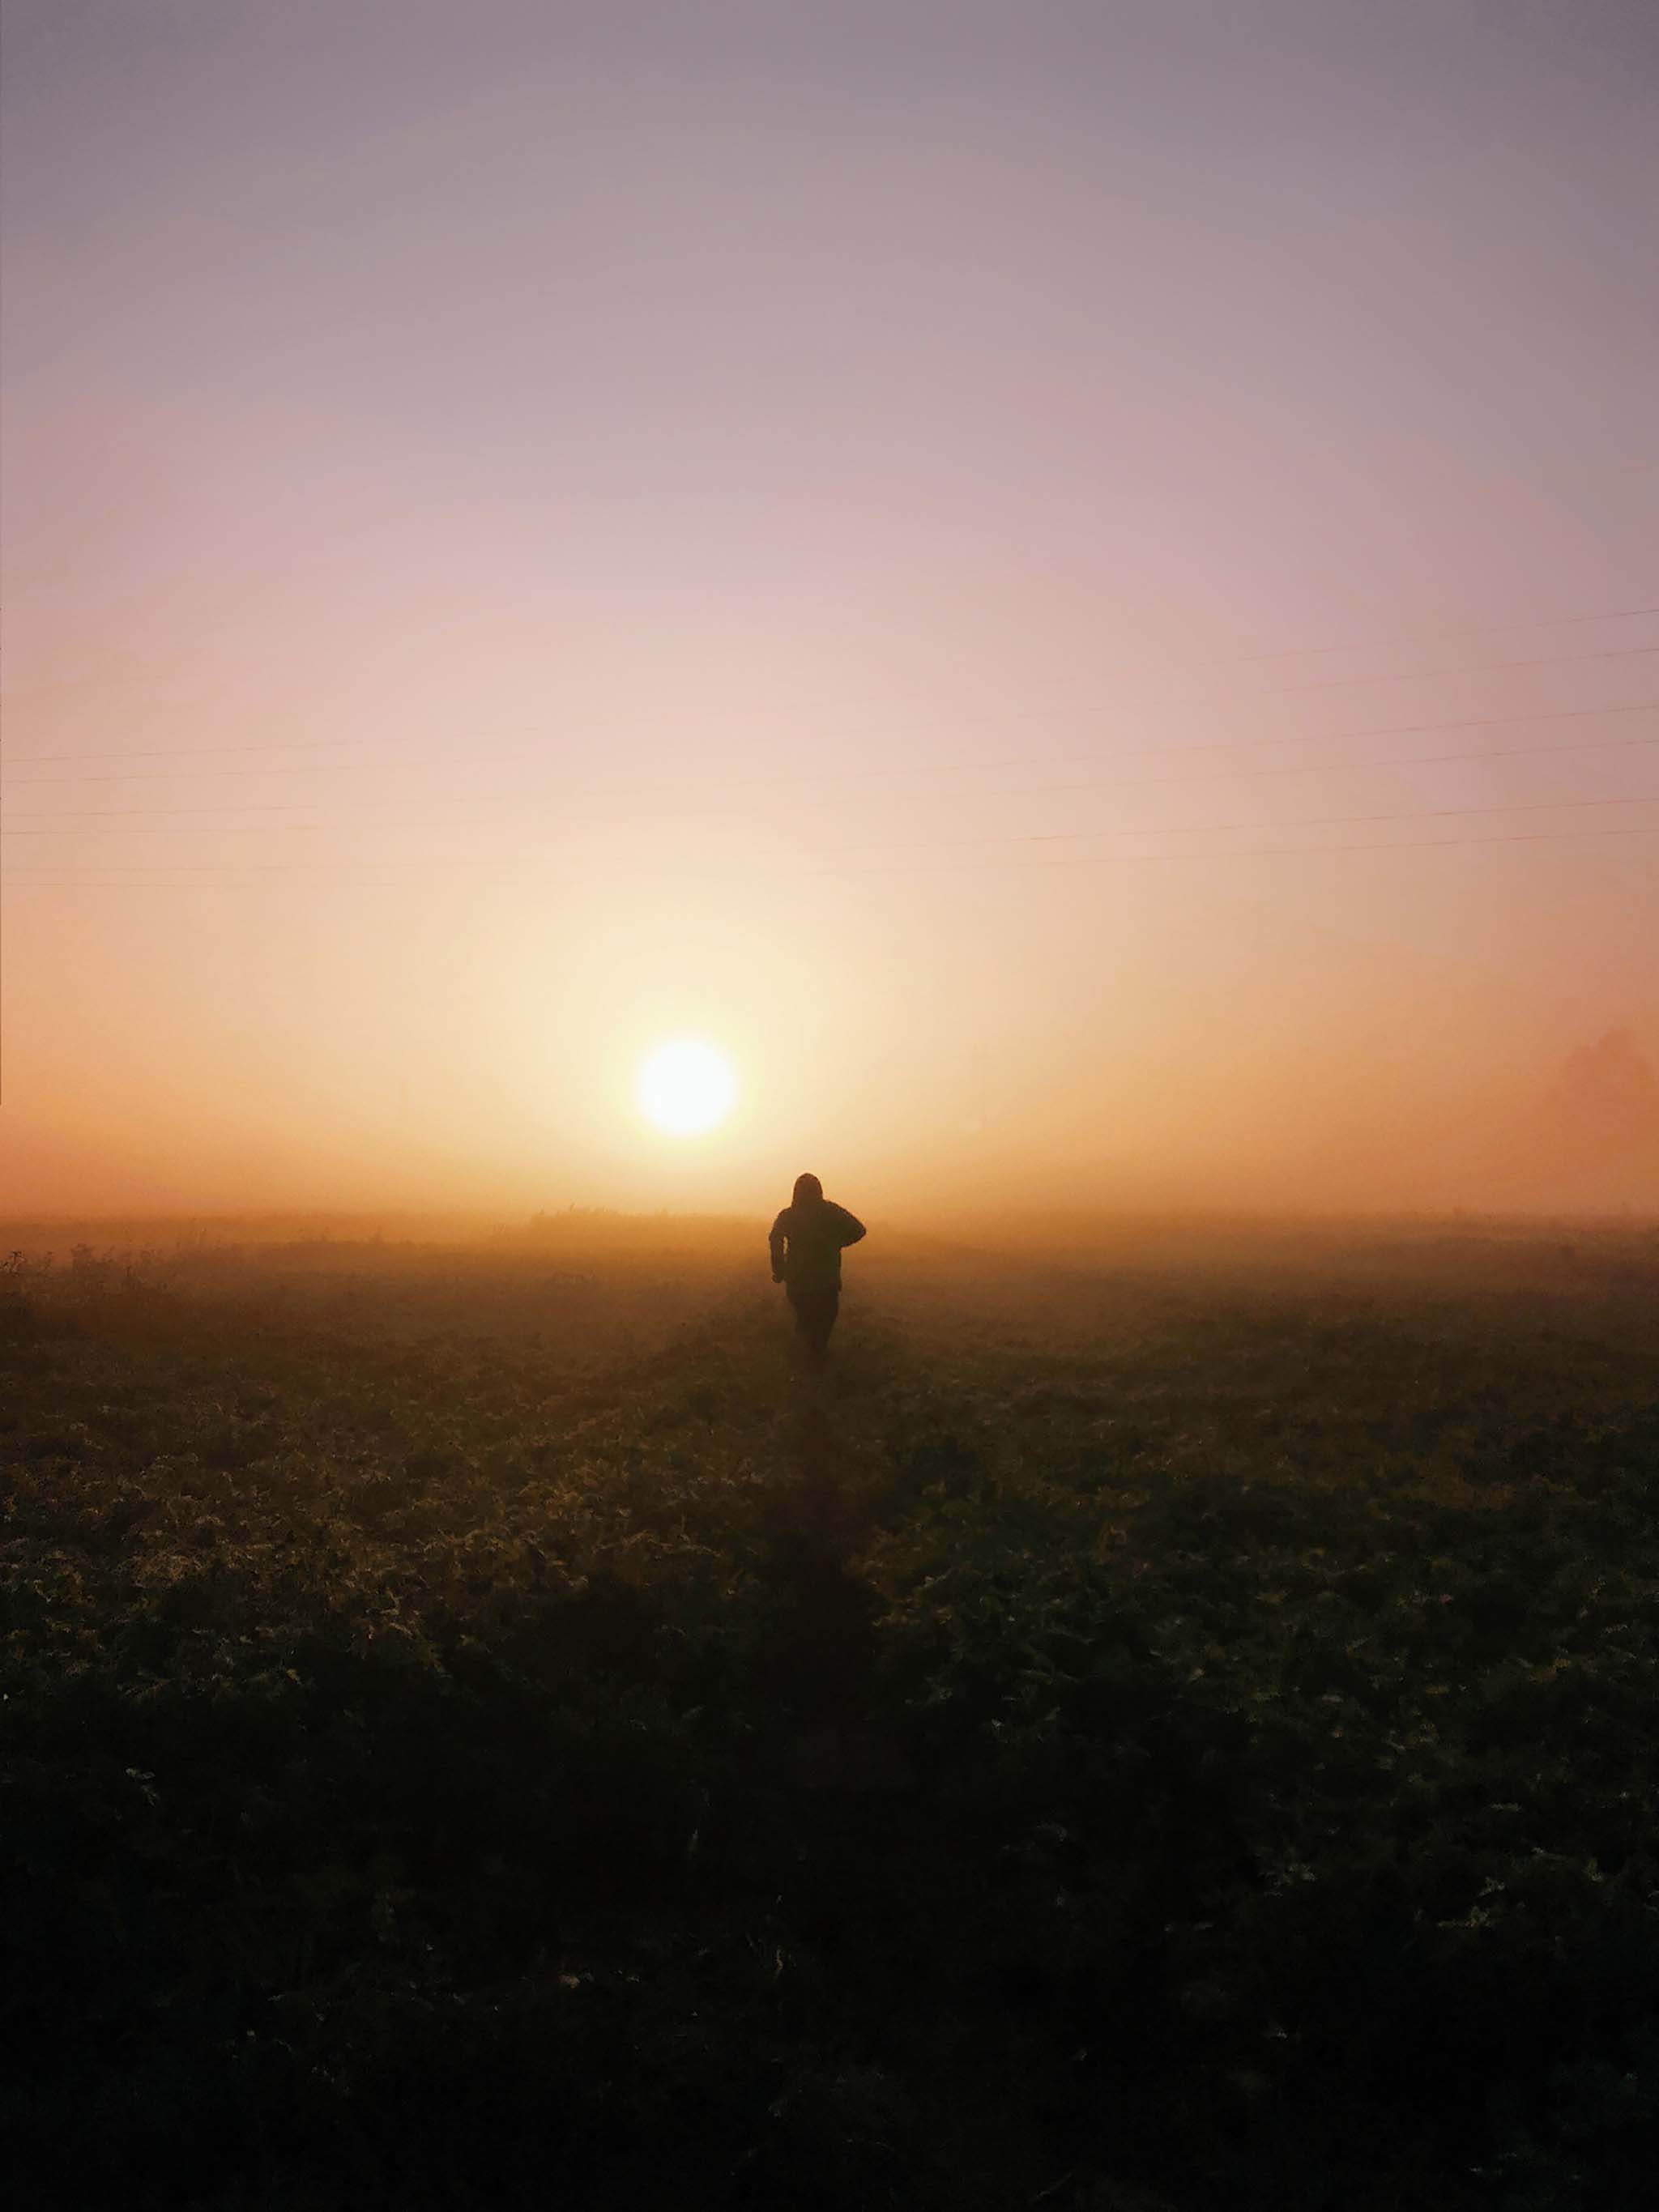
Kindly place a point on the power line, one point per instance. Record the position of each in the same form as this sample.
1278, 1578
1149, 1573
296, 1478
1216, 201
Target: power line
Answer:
508, 862
199, 752
1399, 676
1325, 768
972, 767
937, 768
335, 744
1481, 630
1194, 829
1482, 668
1081, 860
1341, 767
274, 807
1138, 783
1617, 614
940, 768
1337, 766
1255, 851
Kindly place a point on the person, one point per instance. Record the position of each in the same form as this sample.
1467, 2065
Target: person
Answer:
807, 1243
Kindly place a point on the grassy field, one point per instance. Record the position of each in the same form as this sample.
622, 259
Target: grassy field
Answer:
1164, 1724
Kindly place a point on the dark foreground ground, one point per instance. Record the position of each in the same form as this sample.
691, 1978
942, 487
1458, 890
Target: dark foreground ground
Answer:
1167, 1731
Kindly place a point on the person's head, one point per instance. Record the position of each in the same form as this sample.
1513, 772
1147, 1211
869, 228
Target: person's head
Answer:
809, 1191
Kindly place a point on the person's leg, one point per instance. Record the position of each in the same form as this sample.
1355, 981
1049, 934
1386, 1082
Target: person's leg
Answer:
817, 1319
814, 1316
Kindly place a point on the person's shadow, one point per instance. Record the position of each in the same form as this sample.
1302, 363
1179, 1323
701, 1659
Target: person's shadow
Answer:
820, 1652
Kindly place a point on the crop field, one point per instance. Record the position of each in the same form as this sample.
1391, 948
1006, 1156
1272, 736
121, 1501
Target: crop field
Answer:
1163, 1723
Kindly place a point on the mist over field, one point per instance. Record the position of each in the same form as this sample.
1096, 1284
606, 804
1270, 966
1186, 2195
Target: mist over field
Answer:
1577, 1133
1160, 1720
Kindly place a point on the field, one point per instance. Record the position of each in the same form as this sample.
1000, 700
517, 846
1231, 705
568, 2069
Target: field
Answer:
1161, 1724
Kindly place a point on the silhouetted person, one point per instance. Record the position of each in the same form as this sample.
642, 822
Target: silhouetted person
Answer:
807, 1243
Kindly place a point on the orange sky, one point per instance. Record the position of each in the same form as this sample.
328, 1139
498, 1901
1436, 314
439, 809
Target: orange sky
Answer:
1075, 587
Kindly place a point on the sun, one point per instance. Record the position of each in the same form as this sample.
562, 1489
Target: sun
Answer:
687, 1087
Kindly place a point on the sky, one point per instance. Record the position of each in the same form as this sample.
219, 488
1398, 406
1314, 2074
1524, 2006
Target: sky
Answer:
1075, 585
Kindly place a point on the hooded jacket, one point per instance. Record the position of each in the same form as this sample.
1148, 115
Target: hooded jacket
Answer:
806, 1242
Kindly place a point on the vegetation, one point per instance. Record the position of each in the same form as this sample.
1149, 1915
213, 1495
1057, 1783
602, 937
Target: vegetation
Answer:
1168, 1730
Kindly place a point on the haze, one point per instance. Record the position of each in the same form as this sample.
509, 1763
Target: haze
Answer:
1074, 585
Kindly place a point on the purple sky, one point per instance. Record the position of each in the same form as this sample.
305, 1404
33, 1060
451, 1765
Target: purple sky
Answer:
575, 422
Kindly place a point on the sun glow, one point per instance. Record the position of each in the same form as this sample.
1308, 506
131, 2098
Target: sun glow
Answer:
687, 1087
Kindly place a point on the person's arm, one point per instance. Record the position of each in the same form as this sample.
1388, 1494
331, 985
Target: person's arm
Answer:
774, 1245
851, 1227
